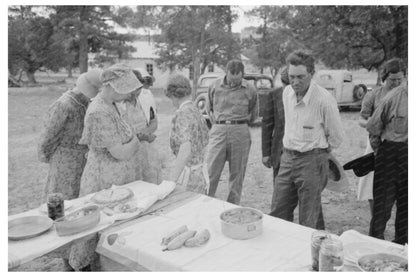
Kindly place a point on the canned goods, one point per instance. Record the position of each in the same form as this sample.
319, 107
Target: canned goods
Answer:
55, 204
316, 240
331, 255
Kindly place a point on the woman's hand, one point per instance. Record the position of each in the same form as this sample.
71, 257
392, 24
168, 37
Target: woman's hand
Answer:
125, 151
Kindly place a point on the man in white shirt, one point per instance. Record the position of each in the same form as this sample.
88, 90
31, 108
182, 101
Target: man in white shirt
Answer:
313, 127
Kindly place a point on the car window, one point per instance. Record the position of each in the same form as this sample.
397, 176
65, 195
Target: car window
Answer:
206, 82
263, 84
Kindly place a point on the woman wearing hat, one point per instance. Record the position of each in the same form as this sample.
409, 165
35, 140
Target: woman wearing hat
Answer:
110, 139
140, 113
59, 145
392, 75
112, 145
188, 137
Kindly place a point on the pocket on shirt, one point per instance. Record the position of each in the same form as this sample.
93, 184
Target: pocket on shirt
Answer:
400, 124
308, 132
240, 107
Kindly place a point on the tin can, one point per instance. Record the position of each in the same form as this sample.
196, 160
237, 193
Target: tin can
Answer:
55, 204
316, 240
331, 255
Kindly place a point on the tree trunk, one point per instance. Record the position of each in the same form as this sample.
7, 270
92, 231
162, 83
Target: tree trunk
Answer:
83, 40
69, 69
31, 77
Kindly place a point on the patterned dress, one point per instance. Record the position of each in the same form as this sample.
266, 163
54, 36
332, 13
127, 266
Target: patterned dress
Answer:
58, 144
103, 129
189, 125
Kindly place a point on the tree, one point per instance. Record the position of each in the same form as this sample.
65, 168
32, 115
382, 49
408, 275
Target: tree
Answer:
31, 43
275, 43
90, 30
348, 36
194, 36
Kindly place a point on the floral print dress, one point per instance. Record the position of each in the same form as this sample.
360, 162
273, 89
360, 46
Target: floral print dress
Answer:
103, 129
189, 125
58, 144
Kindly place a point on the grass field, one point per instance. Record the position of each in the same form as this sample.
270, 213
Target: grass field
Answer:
26, 174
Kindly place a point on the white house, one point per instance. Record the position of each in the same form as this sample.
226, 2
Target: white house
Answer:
145, 57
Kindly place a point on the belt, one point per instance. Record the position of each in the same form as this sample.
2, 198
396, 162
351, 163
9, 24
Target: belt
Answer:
313, 151
231, 122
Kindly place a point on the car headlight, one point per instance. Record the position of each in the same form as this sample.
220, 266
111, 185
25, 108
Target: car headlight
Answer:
201, 104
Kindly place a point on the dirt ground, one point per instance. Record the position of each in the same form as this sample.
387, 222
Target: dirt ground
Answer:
26, 174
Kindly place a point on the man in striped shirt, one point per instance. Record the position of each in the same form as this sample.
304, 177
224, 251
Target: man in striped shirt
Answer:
313, 127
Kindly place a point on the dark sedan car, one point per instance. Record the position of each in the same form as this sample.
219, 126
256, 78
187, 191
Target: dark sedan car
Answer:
263, 84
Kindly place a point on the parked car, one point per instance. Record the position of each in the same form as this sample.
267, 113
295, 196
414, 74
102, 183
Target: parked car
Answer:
263, 84
340, 84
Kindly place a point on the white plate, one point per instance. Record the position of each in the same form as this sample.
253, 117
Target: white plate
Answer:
44, 209
353, 251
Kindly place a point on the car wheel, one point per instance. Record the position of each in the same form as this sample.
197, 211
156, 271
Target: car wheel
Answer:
359, 92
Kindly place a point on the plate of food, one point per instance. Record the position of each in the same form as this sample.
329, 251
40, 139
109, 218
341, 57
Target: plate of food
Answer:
112, 197
80, 220
44, 208
382, 262
28, 227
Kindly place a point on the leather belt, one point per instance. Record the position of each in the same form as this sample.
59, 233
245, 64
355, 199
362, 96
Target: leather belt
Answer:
231, 122
313, 151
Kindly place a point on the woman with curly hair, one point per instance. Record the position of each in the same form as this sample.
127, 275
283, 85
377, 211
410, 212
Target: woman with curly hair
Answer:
188, 137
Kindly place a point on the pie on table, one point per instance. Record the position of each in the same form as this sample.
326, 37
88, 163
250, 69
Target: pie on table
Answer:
112, 197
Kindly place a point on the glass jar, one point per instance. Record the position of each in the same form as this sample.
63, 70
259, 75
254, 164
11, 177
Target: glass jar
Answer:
331, 255
55, 204
316, 240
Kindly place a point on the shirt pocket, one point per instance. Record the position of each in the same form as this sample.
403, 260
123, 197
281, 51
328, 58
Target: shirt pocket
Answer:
240, 107
308, 132
400, 124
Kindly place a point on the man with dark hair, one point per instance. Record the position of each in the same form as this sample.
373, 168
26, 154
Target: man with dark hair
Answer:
232, 106
390, 122
312, 128
272, 130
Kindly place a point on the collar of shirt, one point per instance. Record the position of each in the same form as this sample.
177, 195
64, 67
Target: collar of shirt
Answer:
224, 83
306, 98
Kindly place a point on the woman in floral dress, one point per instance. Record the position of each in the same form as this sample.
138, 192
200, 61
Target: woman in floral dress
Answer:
111, 141
112, 145
188, 137
58, 145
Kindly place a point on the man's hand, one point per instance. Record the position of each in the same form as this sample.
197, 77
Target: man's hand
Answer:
146, 137
267, 161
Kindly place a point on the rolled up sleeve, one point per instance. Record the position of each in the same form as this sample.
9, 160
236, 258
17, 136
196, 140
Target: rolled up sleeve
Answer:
376, 122
333, 125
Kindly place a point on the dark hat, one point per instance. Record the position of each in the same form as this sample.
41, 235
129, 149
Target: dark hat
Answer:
337, 180
362, 165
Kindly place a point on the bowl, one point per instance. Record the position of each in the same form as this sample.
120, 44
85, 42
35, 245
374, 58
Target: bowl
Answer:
382, 262
78, 221
241, 223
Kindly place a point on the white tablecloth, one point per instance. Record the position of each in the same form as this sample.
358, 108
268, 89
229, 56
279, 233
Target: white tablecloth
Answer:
23, 251
283, 246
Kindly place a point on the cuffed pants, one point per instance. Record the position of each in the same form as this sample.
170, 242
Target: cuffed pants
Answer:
301, 179
390, 185
229, 143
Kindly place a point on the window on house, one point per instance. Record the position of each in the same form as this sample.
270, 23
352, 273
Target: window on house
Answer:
191, 72
210, 68
149, 68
